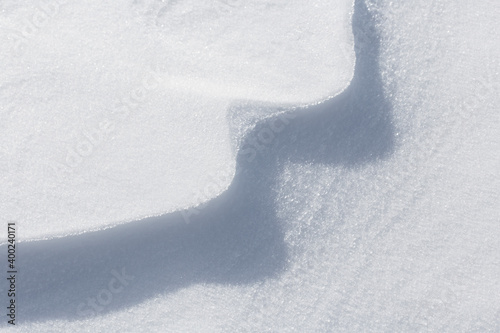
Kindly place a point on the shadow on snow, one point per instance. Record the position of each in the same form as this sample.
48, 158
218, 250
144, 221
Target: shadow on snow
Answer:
236, 238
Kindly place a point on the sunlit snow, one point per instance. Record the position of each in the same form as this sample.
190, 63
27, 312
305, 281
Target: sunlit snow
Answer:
313, 166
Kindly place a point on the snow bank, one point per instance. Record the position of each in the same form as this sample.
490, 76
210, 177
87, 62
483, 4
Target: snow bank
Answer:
115, 111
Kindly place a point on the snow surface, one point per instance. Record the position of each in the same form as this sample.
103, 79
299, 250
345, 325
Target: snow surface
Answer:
375, 211
114, 111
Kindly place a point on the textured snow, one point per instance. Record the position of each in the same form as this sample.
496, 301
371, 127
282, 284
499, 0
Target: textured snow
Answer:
375, 211
114, 111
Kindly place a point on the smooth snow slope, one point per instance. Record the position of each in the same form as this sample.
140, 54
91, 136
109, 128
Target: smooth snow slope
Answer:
376, 211
112, 111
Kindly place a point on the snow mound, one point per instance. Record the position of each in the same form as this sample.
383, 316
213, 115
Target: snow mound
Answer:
114, 111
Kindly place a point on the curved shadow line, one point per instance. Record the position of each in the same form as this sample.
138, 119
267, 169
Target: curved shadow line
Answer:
237, 237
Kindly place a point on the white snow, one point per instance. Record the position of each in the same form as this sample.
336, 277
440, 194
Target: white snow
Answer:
374, 211
115, 111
